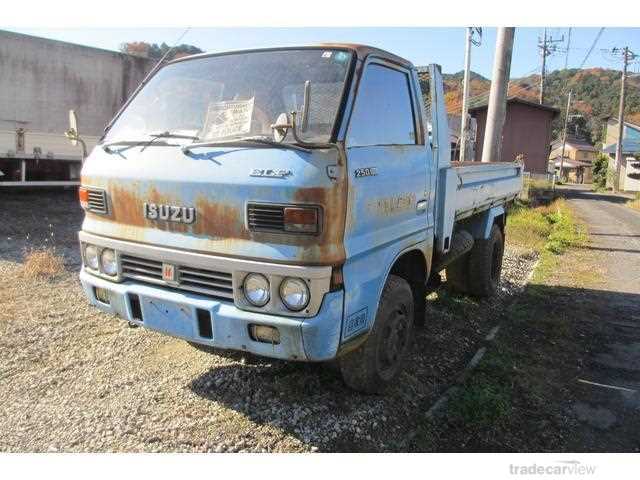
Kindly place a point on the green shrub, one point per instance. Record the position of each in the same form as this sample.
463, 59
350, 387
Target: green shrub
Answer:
600, 171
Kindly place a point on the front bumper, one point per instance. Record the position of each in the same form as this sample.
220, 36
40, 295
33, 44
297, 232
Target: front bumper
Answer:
175, 313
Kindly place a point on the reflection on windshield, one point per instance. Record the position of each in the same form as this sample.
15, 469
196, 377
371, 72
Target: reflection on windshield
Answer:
217, 98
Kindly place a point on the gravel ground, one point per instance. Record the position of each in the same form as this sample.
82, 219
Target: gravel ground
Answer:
75, 379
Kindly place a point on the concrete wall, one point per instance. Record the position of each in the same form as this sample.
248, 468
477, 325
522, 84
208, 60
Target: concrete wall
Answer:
42, 79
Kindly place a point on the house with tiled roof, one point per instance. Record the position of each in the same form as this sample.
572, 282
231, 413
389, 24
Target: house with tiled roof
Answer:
577, 164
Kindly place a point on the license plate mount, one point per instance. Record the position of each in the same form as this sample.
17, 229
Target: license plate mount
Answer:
172, 318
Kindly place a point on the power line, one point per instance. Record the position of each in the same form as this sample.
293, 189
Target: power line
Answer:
566, 59
593, 45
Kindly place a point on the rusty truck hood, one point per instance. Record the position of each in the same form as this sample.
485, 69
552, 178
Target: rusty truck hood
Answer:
217, 182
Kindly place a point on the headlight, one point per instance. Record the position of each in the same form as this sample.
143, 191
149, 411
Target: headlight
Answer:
108, 262
294, 293
256, 289
91, 256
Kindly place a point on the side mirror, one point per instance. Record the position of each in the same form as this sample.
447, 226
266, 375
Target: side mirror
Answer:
72, 134
306, 107
281, 127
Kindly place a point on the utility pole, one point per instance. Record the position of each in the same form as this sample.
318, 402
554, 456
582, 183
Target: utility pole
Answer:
564, 137
544, 61
627, 55
547, 47
464, 124
492, 144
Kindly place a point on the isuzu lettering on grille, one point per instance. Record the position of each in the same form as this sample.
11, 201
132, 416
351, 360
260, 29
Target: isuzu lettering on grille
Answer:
169, 213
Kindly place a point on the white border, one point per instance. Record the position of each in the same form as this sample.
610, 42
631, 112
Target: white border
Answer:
301, 13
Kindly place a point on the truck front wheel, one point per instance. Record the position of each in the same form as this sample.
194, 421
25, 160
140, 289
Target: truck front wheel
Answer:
376, 363
485, 264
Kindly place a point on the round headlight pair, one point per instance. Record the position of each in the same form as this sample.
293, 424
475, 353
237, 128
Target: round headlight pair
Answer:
108, 262
95, 259
91, 257
256, 289
294, 292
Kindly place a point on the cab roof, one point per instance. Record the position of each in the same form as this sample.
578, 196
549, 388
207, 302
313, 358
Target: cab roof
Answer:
361, 51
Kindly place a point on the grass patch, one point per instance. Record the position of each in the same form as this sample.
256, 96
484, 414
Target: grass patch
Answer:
42, 263
482, 403
635, 203
536, 190
549, 230
486, 400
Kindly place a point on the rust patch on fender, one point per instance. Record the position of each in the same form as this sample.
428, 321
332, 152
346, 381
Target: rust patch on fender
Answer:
217, 219
213, 219
326, 248
388, 206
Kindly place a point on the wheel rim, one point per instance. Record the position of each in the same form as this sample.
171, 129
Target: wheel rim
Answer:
394, 341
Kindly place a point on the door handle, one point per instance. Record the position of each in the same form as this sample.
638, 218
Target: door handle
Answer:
421, 206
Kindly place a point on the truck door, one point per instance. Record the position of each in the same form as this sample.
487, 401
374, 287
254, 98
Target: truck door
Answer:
388, 173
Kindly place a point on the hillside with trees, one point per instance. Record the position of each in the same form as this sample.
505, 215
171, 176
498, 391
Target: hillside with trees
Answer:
596, 93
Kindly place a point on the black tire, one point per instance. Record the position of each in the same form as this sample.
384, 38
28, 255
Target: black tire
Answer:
375, 364
485, 264
458, 275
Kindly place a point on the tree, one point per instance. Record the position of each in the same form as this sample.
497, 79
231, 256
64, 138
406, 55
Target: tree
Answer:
156, 52
600, 171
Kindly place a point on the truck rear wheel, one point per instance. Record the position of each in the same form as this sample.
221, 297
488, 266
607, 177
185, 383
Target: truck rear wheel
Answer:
485, 264
374, 365
458, 275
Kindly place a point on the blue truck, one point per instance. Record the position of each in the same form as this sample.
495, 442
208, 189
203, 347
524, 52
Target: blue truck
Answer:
295, 203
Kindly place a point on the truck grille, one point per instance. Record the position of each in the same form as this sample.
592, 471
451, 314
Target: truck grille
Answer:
265, 217
199, 280
97, 202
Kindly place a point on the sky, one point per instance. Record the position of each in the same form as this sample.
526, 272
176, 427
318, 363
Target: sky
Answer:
419, 45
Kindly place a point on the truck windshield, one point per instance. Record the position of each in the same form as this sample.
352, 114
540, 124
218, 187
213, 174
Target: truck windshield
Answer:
237, 95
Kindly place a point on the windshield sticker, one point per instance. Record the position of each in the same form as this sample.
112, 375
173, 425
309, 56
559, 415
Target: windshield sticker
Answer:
226, 119
326, 54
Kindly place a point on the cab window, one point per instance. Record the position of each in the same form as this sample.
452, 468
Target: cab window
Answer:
383, 112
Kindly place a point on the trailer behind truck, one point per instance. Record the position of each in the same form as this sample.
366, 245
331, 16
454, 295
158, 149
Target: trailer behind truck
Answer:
40, 81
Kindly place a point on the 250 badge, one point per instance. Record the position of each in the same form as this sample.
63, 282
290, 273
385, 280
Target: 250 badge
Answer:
366, 172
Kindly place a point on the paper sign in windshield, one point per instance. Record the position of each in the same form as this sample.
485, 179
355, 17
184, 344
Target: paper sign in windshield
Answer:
227, 119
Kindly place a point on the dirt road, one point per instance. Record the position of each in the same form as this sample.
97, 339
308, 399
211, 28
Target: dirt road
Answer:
608, 403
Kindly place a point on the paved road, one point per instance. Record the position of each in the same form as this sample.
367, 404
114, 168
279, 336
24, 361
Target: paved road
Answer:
615, 231
610, 406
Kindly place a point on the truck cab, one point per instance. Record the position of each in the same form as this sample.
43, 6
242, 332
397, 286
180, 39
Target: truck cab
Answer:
292, 203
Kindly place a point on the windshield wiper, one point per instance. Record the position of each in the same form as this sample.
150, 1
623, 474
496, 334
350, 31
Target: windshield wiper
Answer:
128, 144
259, 140
167, 134
154, 137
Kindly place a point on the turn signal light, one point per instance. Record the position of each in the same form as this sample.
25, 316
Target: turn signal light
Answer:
83, 196
264, 334
301, 220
